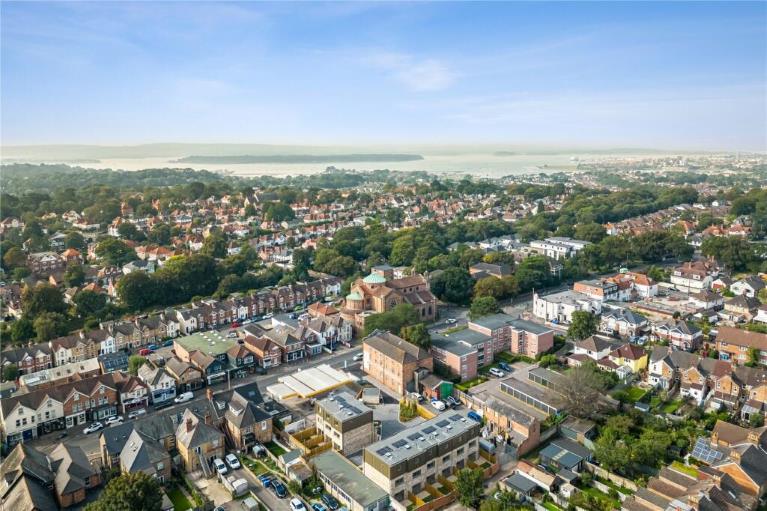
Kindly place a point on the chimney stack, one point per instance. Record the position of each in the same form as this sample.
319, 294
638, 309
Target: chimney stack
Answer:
188, 424
209, 394
208, 419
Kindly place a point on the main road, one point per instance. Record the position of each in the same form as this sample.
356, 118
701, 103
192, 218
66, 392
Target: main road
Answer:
341, 358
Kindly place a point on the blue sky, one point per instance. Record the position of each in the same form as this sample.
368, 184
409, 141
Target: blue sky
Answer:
667, 75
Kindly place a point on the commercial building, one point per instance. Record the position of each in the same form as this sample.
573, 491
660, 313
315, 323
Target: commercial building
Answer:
346, 422
406, 462
348, 484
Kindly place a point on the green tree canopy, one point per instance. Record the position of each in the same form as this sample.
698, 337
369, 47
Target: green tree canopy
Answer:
483, 306
584, 324
134, 491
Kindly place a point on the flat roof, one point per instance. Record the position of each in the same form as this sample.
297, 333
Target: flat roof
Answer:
349, 478
521, 483
452, 346
413, 441
537, 393
343, 406
493, 321
529, 326
211, 342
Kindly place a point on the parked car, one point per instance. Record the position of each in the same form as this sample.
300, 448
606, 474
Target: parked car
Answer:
319, 507
439, 405
93, 428
136, 413
184, 397
497, 372
61, 435
278, 488
259, 450
450, 321
358, 357
259, 370
152, 347
114, 420
330, 501
220, 466
506, 367
418, 397
474, 416
265, 479
297, 505
232, 461
167, 343
268, 315
453, 402
144, 352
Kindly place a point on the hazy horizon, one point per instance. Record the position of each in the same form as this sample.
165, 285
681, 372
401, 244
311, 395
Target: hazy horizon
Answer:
666, 76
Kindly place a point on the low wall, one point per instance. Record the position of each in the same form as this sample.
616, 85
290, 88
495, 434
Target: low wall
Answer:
614, 478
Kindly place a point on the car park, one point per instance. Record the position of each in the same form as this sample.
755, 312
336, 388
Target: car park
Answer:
220, 466
232, 461
114, 420
497, 372
278, 488
297, 505
184, 397
504, 366
136, 413
93, 428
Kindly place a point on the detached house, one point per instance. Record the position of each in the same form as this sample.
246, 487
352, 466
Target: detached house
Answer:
622, 322
198, 442
749, 286
679, 334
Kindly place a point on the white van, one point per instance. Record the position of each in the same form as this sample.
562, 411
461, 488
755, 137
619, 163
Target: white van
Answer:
184, 397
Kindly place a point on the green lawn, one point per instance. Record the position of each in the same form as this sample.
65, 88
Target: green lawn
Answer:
590, 490
685, 469
551, 506
275, 449
635, 393
471, 383
180, 502
672, 406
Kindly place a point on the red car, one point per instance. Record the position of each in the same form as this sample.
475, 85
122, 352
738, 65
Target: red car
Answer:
144, 352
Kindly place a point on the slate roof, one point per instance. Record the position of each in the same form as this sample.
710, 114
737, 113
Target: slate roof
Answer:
72, 468
395, 347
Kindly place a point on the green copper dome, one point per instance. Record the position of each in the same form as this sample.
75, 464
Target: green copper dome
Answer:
354, 296
374, 278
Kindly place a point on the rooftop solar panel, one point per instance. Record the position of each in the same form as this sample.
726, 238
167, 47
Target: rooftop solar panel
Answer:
414, 436
429, 430
399, 443
443, 424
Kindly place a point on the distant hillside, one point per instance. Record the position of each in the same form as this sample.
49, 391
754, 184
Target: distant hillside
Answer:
299, 158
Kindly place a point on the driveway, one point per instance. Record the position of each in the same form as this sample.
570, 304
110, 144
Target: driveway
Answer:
266, 496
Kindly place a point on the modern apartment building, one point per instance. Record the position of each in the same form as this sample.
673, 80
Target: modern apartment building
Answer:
406, 462
345, 421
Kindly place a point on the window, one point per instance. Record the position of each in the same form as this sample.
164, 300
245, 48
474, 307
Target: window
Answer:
417, 473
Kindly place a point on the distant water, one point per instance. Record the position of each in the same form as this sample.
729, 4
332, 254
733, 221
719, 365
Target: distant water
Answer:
481, 165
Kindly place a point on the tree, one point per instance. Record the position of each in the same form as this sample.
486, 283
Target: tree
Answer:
470, 487
129, 231
583, 325
278, 212
497, 288
302, 261
89, 303
75, 240
483, 306
115, 252
762, 295
14, 258
136, 290
214, 245
394, 320
756, 420
42, 298
49, 325
611, 451
736, 253
582, 388
130, 491
592, 232
10, 372
533, 272
753, 357
160, 234
134, 362
74, 276
417, 334
22, 329
453, 285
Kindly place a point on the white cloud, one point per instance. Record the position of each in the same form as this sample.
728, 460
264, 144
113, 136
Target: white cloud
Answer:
418, 74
